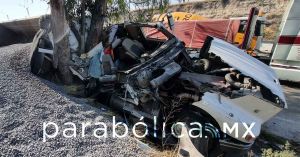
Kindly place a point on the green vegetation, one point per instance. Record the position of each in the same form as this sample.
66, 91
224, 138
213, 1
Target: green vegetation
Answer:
286, 152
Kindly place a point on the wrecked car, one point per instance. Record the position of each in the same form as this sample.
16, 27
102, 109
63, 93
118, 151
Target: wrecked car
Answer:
219, 86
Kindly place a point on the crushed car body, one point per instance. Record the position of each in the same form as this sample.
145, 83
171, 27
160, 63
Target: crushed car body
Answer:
154, 78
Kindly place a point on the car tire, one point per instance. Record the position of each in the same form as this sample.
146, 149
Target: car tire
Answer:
207, 145
40, 63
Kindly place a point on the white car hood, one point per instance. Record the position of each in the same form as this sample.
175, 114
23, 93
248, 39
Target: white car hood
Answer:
247, 65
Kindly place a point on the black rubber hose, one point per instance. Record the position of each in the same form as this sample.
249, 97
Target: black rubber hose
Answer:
230, 79
206, 64
202, 65
221, 70
188, 96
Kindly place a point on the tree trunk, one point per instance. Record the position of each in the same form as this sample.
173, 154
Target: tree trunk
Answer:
60, 30
82, 36
98, 17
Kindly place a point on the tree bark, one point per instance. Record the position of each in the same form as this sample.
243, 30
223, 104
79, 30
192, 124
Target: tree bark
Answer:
60, 30
98, 17
82, 36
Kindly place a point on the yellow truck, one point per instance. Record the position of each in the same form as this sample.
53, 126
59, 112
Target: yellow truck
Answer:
178, 16
256, 34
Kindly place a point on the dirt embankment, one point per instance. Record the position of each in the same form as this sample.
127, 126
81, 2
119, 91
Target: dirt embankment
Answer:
237, 8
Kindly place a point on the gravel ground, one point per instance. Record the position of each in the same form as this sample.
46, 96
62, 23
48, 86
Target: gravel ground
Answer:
26, 102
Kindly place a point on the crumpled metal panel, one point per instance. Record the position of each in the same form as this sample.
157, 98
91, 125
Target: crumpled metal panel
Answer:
247, 65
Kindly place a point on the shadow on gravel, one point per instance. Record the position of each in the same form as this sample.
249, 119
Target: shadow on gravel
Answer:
2, 100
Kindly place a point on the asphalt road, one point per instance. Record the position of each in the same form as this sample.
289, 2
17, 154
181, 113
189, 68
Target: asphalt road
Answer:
286, 124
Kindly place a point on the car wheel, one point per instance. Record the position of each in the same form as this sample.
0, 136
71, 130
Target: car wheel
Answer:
40, 63
208, 145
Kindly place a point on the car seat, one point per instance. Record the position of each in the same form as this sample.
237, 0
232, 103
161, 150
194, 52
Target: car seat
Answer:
133, 49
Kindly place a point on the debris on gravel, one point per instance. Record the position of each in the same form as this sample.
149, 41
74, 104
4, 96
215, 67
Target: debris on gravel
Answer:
26, 101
